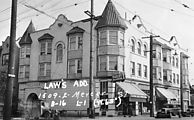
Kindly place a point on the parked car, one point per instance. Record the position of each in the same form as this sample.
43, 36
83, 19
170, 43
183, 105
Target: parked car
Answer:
169, 110
189, 112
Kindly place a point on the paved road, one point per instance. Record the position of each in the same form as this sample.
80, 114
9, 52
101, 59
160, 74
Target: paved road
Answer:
127, 118
118, 118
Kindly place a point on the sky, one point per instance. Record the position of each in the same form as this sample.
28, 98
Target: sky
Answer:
163, 17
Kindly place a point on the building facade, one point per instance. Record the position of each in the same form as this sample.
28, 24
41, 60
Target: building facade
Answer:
54, 67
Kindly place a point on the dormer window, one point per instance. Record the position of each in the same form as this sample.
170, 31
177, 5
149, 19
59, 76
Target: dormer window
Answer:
45, 44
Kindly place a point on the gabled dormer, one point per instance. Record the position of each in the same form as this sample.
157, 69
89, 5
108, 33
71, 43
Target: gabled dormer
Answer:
26, 39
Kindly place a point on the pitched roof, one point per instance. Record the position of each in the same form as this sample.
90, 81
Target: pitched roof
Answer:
26, 39
75, 30
45, 36
110, 17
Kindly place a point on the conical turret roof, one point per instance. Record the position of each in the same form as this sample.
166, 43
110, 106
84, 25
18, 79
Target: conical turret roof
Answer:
110, 17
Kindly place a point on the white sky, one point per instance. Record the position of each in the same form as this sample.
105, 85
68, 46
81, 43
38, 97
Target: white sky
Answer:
156, 14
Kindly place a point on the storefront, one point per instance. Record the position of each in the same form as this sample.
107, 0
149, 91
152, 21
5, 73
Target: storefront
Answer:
132, 98
165, 96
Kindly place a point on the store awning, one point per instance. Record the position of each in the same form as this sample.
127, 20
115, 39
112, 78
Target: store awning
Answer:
134, 92
166, 94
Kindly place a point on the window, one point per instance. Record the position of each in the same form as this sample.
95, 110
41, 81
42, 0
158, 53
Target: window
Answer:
113, 63
25, 52
103, 38
145, 71
132, 68
45, 69
177, 78
103, 94
21, 72
103, 63
121, 63
59, 54
177, 62
5, 59
174, 78
72, 43
22, 52
132, 45
71, 66
139, 69
27, 71
173, 61
79, 66
160, 73
104, 87
45, 47
139, 48
164, 75
75, 66
49, 47
159, 56
113, 37
145, 51
154, 73
122, 39
80, 42
164, 59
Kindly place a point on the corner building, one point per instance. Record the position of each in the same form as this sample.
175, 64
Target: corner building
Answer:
54, 67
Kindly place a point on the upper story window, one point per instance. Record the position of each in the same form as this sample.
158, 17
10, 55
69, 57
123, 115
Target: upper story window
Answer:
45, 44
174, 79
80, 42
103, 63
122, 39
113, 37
139, 69
154, 73
165, 75
177, 62
145, 72
145, 50
24, 71
44, 69
103, 38
5, 59
113, 63
59, 55
160, 73
25, 51
177, 77
75, 66
72, 43
173, 61
132, 66
76, 42
132, 45
139, 47
45, 47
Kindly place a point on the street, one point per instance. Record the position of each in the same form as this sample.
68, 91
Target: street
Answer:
127, 118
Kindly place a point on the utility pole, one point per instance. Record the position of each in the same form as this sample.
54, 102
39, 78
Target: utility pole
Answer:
91, 89
7, 110
181, 80
152, 101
